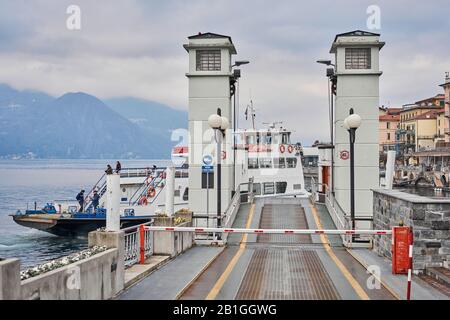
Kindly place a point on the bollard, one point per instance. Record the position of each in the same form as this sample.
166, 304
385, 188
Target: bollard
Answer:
142, 243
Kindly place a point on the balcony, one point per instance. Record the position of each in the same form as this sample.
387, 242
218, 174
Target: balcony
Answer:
447, 131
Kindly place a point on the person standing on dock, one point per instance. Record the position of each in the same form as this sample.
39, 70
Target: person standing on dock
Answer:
95, 200
80, 199
109, 169
118, 167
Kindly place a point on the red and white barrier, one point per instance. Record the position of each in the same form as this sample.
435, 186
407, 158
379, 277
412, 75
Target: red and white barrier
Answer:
268, 231
303, 231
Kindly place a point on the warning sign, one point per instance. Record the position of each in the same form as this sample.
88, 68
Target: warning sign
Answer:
344, 154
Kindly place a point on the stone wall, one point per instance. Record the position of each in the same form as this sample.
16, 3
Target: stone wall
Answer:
429, 218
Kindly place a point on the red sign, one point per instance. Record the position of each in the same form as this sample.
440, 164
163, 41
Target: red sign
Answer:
400, 249
344, 154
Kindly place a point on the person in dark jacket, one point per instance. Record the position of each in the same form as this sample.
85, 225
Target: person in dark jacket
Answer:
80, 199
109, 169
118, 167
95, 200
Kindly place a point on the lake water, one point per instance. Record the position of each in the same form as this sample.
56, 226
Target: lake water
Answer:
22, 182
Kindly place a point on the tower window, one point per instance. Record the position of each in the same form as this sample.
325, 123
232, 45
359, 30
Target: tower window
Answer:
357, 58
208, 60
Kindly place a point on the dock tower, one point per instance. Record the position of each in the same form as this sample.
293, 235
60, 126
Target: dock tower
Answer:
357, 72
209, 88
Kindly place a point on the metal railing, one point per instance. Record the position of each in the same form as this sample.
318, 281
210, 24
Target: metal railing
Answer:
340, 218
138, 244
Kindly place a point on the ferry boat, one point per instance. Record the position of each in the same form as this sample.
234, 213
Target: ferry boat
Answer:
272, 162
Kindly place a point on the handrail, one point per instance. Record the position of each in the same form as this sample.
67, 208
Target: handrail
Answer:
143, 186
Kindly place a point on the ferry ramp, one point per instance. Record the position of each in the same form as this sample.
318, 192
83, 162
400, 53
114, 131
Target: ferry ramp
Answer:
278, 266
265, 266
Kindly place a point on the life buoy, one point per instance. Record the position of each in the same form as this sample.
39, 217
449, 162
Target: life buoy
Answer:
290, 148
143, 201
151, 192
282, 148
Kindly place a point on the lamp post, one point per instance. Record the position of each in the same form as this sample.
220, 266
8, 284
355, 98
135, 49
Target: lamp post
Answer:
351, 123
235, 84
219, 124
331, 91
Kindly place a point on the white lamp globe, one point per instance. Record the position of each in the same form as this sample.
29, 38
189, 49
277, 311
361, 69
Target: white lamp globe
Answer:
353, 121
345, 124
225, 123
215, 121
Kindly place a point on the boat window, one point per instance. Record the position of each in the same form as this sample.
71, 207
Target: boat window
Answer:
176, 193
281, 187
269, 188
123, 199
257, 188
291, 162
297, 186
279, 163
265, 163
253, 163
284, 138
276, 138
250, 139
186, 194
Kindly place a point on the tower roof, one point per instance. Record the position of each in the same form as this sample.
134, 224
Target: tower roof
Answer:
357, 33
209, 35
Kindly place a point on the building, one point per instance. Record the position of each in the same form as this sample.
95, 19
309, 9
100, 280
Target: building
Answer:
388, 125
446, 86
413, 114
357, 79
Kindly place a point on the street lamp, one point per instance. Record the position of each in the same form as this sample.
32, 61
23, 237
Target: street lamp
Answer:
239, 63
351, 123
219, 124
330, 73
235, 92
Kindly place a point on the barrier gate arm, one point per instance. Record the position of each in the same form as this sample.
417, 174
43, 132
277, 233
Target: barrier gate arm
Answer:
269, 231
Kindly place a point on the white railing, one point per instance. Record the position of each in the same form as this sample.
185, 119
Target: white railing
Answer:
131, 248
138, 244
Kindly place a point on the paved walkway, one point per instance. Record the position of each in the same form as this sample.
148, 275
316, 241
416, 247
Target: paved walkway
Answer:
169, 281
420, 290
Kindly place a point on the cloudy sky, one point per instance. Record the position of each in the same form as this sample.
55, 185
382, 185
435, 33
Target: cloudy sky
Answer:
134, 48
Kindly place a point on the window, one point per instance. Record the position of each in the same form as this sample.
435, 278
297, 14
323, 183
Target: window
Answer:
291, 162
389, 136
257, 188
208, 60
207, 180
253, 163
186, 194
279, 163
357, 58
265, 163
388, 125
281, 187
269, 188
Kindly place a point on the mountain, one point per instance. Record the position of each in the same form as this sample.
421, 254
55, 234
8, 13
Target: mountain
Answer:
76, 125
154, 117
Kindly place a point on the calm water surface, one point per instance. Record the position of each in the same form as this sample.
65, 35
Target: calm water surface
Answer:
22, 182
